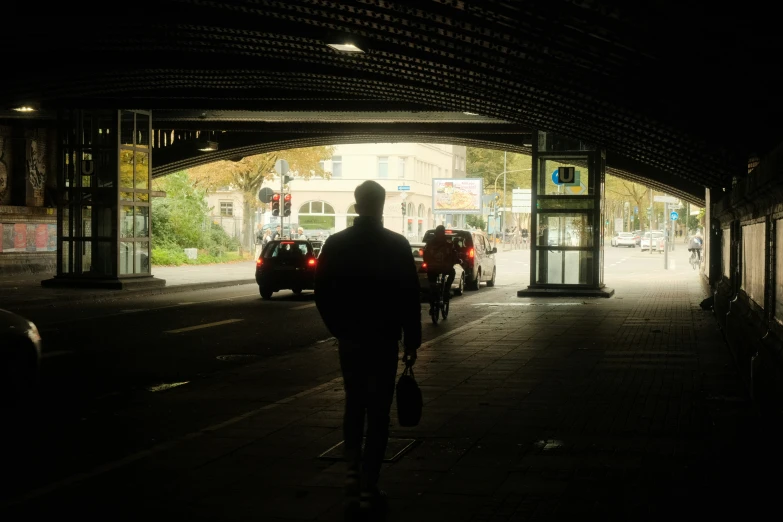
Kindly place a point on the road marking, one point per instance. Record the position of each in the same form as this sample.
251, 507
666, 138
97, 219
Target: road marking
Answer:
138, 310
207, 325
302, 307
56, 353
526, 304
130, 459
166, 386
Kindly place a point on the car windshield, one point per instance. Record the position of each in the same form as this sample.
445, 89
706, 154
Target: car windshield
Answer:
416, 250
626, 234
287, 249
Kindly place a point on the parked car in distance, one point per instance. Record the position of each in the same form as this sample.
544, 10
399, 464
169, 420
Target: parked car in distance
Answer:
287, 264
476, 252
637, 234
417, 249
625, 239
652, 240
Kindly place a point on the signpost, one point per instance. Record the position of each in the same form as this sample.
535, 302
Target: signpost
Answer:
520, 201
281, 167
404, 187
674, 216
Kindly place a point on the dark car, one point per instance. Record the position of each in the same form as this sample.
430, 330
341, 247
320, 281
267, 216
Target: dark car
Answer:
476, 252
418, 256
287, 264
20, 356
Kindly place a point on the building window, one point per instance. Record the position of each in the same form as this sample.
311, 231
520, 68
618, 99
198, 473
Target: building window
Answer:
383, 166
337, 166
317, 216
352, 215
753, 261
227, 208
401, 168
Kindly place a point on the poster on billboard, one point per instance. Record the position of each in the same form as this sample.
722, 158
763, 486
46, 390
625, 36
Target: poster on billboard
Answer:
457, 196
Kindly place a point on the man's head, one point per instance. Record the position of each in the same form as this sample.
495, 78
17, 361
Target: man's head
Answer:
370, 197
259, 226
301, 230
440, 232
278, 228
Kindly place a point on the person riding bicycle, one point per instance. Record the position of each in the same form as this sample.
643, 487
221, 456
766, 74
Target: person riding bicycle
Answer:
440, 256
695, 245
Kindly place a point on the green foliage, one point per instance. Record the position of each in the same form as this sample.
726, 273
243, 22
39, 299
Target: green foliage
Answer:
181, 220
476, 221
488, 164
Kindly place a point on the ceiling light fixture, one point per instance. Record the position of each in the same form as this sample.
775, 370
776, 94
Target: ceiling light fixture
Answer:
470, 114
24, 108
345, 48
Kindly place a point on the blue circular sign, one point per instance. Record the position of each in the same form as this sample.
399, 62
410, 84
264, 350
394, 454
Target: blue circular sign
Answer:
554, 177
674, 216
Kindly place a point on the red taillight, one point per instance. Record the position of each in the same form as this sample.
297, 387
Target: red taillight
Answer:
286, 242
471, 253
424, 265
259, 262
421, 252
311, 262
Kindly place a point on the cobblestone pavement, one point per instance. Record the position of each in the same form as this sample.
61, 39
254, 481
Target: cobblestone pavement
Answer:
626, 409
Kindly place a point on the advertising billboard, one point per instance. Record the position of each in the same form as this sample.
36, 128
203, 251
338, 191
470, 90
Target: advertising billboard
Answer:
457, 196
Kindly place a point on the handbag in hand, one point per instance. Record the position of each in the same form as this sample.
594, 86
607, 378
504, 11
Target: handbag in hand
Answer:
409, 399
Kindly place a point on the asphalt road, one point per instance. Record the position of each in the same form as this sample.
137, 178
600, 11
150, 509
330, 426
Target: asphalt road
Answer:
108, 363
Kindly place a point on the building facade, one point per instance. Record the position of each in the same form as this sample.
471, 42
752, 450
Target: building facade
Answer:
405, 170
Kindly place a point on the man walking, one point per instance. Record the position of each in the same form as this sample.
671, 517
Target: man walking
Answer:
362, 263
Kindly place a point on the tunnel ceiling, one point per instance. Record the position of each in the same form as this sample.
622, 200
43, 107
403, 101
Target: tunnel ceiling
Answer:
669, 89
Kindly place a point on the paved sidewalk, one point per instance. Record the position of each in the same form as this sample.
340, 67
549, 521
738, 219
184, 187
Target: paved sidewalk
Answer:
26, 288
625, 409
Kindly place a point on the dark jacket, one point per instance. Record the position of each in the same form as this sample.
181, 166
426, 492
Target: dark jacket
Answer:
366, 285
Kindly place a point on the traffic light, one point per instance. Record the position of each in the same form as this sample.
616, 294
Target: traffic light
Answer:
402, 205
287, 205
276, 204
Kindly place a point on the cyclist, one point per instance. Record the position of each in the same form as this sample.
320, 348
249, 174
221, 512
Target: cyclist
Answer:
695, 245
440, 256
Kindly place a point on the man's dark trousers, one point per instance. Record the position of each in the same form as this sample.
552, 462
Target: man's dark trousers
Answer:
369, 372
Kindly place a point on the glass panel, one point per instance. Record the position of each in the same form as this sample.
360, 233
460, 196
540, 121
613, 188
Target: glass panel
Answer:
580, 185
102, 258
86, 247
778, 268
86, 223
383, 167
317, 207
317, 223
105, 167
304, 209
66, 257
568, 230
142, 219
142, 130
126, 258
142, 196
104, 222
328, 209
65, 218
105, 122
126, 221
126, 168
563, 203
86, 181
126, 128
142, 257
142, 170
753, 262
88, 128
565, 267
126, 196
727, 251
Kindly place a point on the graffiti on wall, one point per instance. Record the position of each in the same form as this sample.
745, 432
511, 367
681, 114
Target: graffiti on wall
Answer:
28, 237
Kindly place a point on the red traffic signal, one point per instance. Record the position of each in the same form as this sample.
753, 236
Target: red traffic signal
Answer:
288, 197
276, 197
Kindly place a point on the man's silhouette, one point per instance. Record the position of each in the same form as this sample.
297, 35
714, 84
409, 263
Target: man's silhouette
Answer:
367, 292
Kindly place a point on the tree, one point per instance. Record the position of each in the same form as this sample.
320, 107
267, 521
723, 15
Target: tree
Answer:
619, 191
488, 164
250, 173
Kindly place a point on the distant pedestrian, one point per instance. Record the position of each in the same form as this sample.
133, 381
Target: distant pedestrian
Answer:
259, 239
371, 260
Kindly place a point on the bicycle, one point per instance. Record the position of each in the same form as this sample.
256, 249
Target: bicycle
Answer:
694, 259
441, 303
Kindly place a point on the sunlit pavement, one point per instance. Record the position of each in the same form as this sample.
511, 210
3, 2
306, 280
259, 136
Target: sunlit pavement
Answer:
626, 408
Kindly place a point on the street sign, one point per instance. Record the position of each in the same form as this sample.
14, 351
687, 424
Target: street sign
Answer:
265, 195
666, 199
520, 201
674, 216
404, 187
281, 167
